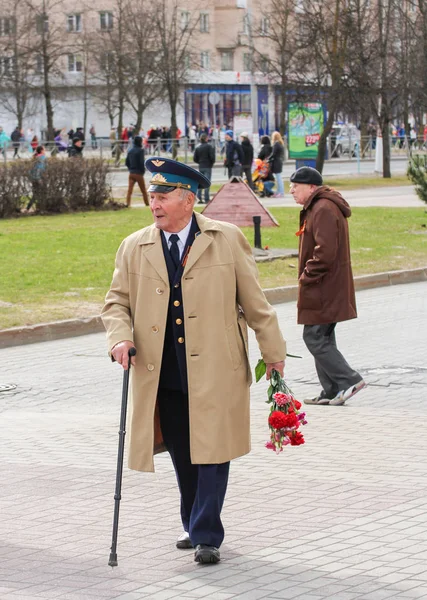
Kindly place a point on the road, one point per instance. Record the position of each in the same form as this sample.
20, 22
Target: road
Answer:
344, 168
343, 517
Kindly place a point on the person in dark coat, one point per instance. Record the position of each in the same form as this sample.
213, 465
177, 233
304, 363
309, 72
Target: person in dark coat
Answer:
204, 156
76, 149
266, 148
135, 160
233, 155
248, 157
326, 289
15, 136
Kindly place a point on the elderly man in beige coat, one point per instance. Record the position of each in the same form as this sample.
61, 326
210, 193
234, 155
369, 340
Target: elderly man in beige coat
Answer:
183, 291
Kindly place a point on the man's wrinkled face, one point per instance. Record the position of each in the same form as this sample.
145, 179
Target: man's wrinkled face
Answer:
172, 211
301, 191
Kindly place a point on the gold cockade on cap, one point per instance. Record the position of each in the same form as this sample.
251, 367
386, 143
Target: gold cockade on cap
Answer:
159, 177
158, 163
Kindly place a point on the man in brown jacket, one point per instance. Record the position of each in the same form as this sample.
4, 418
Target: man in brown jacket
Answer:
326, 289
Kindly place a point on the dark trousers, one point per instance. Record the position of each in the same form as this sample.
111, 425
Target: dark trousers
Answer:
202, 487
248, 172
334, 372
207, 172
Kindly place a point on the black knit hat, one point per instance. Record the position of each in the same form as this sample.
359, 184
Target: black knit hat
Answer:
307, 175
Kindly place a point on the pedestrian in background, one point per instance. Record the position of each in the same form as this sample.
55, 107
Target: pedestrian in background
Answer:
326, 289
233, 155
15, 136
266, 148
277, 160
4, 141
135, 160
113, 138
248, 157
182, 292
36, 173
204, 156
93, 139
76, 149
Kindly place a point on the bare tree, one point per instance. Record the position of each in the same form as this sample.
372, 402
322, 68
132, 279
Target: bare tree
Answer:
280, 33
16, 95
47, 47
326, 50
142, 86
175, 32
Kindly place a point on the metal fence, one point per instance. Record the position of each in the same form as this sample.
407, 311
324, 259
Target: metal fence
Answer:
115, 150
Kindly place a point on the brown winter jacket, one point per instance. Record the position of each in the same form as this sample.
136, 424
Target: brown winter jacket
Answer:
326, 288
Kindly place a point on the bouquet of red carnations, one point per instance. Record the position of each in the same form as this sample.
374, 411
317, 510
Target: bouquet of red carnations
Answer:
284, 419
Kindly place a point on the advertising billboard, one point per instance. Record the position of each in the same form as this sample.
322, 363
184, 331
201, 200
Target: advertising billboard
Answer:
305, 126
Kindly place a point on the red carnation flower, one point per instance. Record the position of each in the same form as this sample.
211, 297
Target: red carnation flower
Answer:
297, 438
291, 420
297, 404
277, 420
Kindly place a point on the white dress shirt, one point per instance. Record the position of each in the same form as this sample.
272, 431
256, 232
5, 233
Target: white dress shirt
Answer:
183, 235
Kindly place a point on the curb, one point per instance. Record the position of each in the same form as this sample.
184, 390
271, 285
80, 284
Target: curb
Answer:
46, 332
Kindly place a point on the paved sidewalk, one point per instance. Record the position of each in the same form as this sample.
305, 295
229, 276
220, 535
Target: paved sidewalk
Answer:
343, 517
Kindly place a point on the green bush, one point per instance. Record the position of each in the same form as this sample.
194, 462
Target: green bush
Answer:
15, 185
66, 185
417, 173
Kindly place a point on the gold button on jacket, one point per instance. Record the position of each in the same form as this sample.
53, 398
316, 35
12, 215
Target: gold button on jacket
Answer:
181, 340
155, 329
159, 291
150, 367
178, 321
177, 303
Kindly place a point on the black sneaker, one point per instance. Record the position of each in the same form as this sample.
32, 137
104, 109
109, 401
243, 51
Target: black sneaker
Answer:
320, 399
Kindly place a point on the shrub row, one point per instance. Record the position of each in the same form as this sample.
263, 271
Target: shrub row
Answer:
65, 186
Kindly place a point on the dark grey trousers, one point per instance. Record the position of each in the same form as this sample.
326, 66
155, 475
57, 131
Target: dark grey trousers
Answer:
334, 372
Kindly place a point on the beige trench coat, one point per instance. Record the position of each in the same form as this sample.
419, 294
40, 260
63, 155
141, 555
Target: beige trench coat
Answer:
220, 293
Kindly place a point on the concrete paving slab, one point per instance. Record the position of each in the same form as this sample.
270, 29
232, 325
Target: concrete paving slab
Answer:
342, 517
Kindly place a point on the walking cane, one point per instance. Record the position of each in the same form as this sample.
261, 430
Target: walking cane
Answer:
122, 432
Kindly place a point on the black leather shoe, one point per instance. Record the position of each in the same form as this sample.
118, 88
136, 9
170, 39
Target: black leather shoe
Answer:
184, 542
207, 554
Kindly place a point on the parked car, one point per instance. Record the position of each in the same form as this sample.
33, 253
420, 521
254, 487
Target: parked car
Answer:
344, 140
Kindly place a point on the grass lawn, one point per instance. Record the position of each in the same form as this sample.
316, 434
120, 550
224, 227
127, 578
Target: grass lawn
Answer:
60, 267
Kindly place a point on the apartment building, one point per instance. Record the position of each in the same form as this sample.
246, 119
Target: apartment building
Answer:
224, 35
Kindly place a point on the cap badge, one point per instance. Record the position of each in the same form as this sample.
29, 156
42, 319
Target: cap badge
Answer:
158, 177
158, 163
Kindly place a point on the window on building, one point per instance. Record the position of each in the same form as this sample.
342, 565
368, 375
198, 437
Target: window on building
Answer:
74, 23
106, 21
247, 61
75, 64
246, 24
7, 65
7, 25
264, 26
39, 67
187, 60
185, 19
205, 59
299, 6
204, 22
263, 65
106, 62
227, 60
42, 23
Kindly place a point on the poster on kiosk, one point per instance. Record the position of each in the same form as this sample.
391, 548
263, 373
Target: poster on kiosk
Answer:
305, 127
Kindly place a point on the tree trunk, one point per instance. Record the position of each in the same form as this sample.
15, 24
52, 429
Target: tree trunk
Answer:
385, 131
321, 155
173, 128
